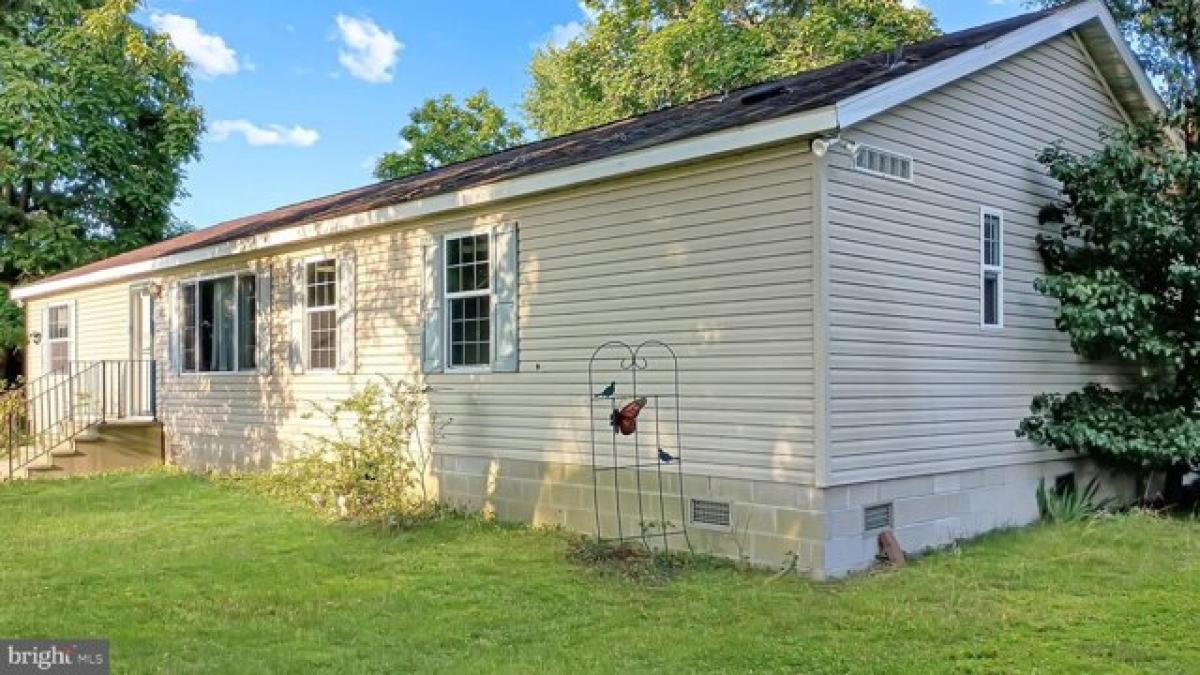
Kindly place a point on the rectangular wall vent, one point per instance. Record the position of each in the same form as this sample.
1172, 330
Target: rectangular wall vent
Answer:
712, 514
878, 517
1064, 483
883, 163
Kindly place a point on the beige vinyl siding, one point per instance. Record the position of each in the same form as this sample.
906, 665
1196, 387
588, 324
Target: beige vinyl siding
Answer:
917, 386
102, 324
713, 258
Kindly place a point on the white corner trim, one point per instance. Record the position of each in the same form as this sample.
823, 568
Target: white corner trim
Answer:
745, 137
874, 101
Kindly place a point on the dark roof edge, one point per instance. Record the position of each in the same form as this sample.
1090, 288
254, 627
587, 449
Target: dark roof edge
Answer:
381, 204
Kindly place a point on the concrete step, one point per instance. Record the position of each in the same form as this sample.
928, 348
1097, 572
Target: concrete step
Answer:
116, 444
44, 472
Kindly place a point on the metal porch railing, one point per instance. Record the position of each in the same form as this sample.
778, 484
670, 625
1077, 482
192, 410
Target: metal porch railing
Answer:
56, 408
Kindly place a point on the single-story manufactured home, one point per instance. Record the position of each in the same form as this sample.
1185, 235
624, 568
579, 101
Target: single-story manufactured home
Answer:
842, 260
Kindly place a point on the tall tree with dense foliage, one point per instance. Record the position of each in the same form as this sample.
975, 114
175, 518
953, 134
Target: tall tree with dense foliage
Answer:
96, 122
636, 56
442, 132
1125, 267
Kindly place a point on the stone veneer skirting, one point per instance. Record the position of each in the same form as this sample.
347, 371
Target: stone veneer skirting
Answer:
823, 529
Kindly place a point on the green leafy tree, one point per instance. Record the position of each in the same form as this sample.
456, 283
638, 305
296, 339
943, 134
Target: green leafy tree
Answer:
636, 56
96, 122
441, 132
1124, 268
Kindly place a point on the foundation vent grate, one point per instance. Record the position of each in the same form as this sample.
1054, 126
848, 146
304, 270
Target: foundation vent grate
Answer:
1065, 483
712, 514
878, 517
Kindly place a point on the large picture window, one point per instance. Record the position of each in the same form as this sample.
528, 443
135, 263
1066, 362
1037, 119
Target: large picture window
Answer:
469, 299
320, 284
218, 320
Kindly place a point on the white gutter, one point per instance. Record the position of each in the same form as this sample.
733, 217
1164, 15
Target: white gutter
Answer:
740, 138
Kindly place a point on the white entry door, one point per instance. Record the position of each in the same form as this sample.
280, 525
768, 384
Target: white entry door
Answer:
140, 371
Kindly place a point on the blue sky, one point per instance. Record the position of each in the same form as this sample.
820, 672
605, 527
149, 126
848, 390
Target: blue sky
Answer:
299, 102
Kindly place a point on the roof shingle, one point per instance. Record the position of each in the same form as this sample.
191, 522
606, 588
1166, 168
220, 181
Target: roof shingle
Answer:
808, 90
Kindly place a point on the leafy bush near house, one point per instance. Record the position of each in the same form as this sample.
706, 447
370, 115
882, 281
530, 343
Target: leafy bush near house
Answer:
1124, 268
11, 401
372, 467
1070, 504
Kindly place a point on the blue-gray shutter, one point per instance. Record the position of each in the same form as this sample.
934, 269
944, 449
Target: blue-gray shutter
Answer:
174, 310
262, 319
504, 239
432, 335
296, 320
346, 311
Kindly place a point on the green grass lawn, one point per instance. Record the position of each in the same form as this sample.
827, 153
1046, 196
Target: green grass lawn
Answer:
186, 576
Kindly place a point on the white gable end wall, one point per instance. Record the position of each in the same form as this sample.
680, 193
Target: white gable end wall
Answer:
917, 388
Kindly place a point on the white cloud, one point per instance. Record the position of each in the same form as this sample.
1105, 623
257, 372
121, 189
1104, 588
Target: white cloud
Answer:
369, 52
207, 52
271, 134
912, 4
562, 34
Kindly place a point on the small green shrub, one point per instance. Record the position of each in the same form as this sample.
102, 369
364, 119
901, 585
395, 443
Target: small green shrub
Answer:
637, 562
372, 467
12, 403
1070, 504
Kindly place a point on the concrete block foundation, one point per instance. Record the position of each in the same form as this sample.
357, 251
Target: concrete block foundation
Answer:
771, 523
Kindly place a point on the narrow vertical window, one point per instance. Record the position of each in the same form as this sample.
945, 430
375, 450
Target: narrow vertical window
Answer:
320, 281
469, 300
991, 276
247, 312
188, 320
59, 337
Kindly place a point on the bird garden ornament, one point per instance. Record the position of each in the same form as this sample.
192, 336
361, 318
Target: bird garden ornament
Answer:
625, 419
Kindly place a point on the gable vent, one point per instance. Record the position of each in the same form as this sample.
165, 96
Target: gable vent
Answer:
878, 517
712, 514
883, 163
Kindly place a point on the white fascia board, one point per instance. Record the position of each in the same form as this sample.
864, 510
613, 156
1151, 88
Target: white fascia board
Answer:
874, 101
745, 137
1145, 86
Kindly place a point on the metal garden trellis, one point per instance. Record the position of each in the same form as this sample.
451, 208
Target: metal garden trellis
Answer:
632, 361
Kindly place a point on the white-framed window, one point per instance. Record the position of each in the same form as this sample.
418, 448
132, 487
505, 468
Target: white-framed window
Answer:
468, 295
884, 163
218, 331
58, 337
320, 313
991, 267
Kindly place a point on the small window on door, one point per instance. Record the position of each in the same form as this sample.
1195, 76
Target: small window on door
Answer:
58, 337
991, 273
